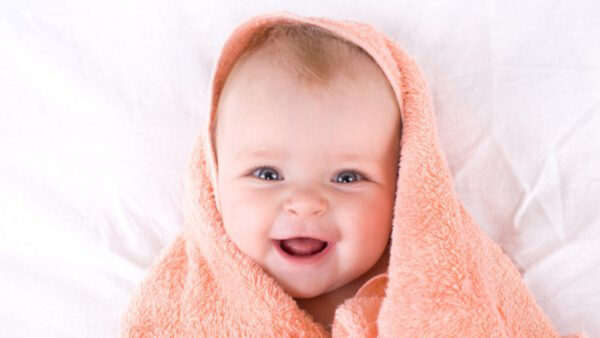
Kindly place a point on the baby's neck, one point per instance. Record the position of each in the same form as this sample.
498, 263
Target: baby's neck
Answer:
322, 308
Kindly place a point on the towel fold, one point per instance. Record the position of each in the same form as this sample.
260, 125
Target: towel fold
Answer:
446, 277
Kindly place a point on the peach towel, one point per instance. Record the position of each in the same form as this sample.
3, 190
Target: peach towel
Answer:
446, 277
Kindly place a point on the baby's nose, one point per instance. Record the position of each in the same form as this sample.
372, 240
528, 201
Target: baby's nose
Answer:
305, 203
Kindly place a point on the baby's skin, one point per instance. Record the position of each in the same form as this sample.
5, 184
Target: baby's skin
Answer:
300, 160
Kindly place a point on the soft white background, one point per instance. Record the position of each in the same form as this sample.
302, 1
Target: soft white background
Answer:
101, 102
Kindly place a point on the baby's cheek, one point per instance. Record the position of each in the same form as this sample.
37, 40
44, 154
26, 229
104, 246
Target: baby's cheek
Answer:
249, 226
239, 235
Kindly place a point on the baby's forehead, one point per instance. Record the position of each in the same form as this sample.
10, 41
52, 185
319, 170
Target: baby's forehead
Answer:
302, 133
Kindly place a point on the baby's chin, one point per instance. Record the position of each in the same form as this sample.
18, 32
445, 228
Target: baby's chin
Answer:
306, 290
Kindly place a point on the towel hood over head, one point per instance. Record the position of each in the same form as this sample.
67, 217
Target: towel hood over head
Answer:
446, 277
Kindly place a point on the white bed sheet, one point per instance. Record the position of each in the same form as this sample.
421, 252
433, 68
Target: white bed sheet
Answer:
101, 101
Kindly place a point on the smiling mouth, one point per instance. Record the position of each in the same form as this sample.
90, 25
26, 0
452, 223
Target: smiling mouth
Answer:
302, 246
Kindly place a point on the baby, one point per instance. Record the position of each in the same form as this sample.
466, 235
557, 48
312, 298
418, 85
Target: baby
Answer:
291, 195
307, 144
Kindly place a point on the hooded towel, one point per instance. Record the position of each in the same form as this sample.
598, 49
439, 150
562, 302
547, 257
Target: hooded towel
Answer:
446, 277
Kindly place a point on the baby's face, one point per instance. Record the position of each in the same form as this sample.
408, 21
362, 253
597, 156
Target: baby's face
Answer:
322, 161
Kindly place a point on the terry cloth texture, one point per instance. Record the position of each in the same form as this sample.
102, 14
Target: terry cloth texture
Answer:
446, 277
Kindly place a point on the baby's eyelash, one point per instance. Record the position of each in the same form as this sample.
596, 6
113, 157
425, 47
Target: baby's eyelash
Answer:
264, 166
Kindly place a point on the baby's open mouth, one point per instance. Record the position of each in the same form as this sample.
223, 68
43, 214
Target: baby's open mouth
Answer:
302, 246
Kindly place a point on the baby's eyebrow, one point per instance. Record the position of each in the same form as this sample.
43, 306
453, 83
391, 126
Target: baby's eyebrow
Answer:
245, 153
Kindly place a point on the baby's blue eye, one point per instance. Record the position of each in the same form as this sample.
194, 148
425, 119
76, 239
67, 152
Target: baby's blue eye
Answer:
353, 177
270, 174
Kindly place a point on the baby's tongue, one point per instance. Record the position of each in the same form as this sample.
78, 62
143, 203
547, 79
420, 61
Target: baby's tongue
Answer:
302, 245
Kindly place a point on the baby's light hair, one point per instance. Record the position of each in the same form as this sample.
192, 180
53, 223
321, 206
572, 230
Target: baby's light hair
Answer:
314, 54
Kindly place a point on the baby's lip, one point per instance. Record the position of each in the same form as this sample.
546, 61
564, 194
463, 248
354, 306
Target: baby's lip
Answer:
320, 238
289, 232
